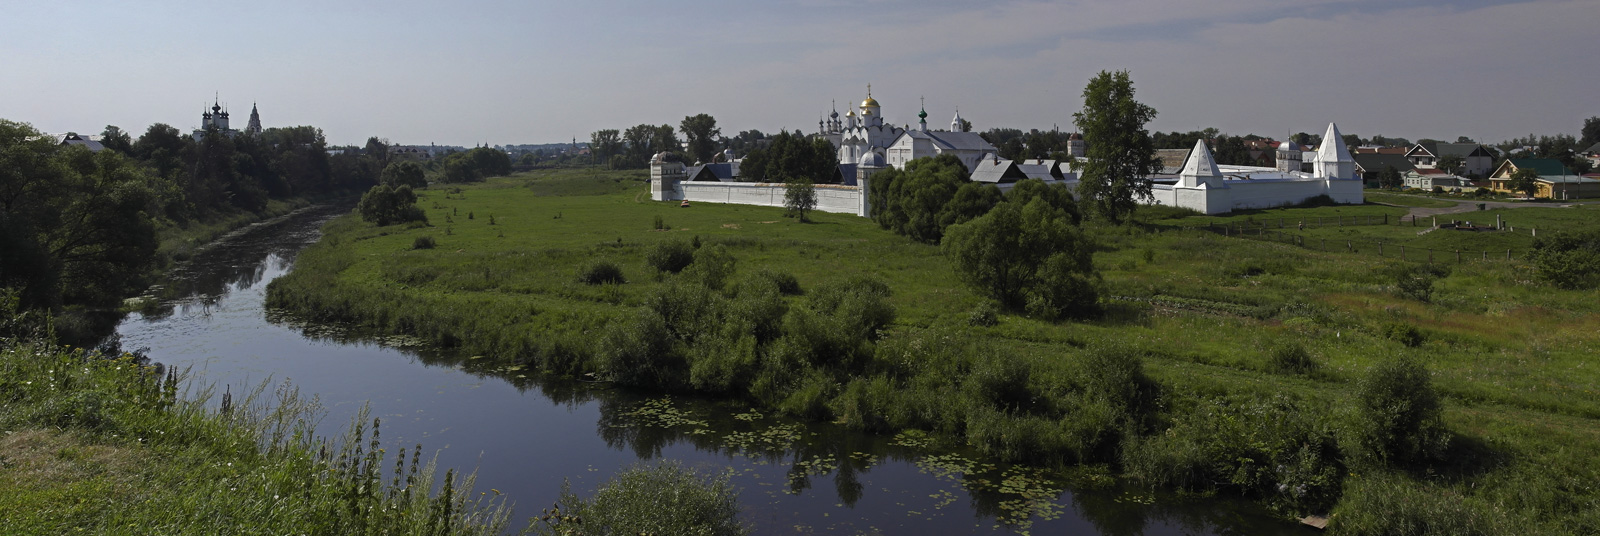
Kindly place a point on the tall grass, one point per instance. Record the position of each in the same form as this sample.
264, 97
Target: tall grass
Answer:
110, 444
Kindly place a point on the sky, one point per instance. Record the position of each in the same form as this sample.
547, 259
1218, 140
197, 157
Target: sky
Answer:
513, 72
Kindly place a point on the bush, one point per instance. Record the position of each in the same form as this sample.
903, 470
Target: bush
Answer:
712, 265
785, 282
1028, 257
387, 206
1416, 282
600, 272
423, 242
669, 256
662, 499
1290, 358
1568, 260
404, 173
1397, 416
638, 352
1403, 333
1389, 505
984, 315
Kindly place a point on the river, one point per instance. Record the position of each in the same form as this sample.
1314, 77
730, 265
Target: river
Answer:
526, 436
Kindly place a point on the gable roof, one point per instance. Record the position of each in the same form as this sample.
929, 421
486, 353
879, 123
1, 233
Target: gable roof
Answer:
1593, 149
1374, 162
1172, 160
951, 141
1462, 150
1544, 166
1041, 169
997, 171
711, 172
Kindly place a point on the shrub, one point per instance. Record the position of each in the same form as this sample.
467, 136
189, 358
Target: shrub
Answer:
661, 224
1290, 358
669, 256
1416, 282
1028, 257
785, 282
638, 351
600, 272
984, 315
1403, 333
799, 197
404, 173
1397, 416
386, 206
712, 265
423, 242
662, 499
1386, 504
1568, 260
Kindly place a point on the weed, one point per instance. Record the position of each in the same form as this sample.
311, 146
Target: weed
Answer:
424, 242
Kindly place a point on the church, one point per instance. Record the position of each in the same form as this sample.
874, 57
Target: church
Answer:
217, 117
866, 141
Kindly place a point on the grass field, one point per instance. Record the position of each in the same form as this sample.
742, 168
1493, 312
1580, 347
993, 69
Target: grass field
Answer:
1207, 315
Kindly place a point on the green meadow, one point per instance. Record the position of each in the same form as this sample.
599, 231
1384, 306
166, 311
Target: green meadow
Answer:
1222, 364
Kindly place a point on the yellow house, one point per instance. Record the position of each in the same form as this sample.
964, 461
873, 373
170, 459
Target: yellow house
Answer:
1553, 181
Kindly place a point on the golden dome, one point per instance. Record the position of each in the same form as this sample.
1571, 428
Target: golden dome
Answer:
866, 112
851, 113
869, 102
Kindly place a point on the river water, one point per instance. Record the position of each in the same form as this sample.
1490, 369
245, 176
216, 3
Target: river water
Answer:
526, 436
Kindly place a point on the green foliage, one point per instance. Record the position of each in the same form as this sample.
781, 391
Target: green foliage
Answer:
665, 498
474, 165
784, 282
791, 157
1027, 257
1387, 504
701, 132
913, 202
1390, 178
1276, 449
1525, 180
799, 197
712, 265
404, 173
1397, 419
1568, 260
423, 242
669, 256
75, 227
1416, 282
1120, 154
1402, 332
86, 425
1290, 358
387, 206
600, 272
1452, 163
986, 314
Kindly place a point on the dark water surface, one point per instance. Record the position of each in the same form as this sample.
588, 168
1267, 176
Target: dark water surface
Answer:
526, 436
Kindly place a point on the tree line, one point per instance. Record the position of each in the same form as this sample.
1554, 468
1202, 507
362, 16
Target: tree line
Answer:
632, 148
80, 230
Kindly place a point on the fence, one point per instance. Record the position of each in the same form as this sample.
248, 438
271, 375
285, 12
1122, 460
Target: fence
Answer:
1263, 230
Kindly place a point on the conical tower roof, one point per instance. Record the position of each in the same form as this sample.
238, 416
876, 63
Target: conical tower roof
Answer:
1200, 162
1333, 148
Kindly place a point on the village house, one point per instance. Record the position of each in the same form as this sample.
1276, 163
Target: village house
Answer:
1476, 159
1553, 183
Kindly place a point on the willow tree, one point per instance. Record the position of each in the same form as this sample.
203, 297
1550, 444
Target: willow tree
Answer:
1120, 156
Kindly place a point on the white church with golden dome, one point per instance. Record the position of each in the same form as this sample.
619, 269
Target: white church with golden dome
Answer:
867, 142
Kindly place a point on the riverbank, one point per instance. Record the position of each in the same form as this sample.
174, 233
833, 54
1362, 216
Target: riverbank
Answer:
1233, 369
111, 445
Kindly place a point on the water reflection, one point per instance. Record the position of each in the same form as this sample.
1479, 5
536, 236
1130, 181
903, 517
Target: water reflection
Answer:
527, 435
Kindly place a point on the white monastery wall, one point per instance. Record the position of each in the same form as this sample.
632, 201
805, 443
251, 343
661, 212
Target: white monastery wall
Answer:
830, 197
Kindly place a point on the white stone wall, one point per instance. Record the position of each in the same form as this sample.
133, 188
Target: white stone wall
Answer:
830, 197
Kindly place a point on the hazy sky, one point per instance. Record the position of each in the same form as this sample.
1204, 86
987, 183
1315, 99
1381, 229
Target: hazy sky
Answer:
462, 73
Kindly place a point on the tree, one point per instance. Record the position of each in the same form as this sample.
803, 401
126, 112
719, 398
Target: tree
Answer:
1452, 163
116, 139
1028, 257
1120, 153
702, 133
1352, 140
966, 126
404, 173
1231, 150
799, 197
1591, 132
912, 201
1390, 178
1398, 416
387, 206
791, 156
1525, 180
1569, 260
603, 144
